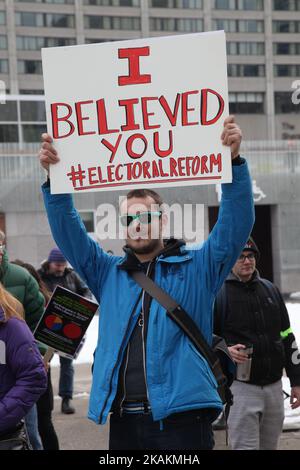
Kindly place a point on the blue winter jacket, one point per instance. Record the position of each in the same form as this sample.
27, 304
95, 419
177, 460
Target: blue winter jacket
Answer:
178, 377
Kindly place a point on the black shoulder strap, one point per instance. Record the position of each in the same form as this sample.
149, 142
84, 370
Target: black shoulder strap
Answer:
185, 322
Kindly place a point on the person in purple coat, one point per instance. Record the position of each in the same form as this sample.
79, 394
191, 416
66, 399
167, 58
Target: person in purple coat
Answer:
23, 375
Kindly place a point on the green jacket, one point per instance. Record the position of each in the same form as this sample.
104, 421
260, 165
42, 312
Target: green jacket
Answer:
24, 287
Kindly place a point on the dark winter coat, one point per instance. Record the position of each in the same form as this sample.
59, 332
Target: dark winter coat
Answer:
255, 315
23, 287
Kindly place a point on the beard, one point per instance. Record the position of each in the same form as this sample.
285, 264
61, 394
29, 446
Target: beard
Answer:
57, 274
151, 246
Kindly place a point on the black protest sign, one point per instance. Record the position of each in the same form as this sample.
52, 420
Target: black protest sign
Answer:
65, 321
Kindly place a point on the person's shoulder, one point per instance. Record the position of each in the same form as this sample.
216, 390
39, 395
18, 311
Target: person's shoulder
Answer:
19, 274
18, 331
266, 282
269, 285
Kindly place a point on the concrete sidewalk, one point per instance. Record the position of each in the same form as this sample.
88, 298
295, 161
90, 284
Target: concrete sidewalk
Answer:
76, 432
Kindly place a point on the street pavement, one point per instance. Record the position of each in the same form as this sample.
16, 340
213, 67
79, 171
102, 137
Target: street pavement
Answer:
77, 432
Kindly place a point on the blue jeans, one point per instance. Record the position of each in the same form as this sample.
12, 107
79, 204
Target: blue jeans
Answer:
66, 378
190, 430
31, 421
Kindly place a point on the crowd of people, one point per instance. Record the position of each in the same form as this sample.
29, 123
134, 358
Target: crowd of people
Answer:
26, 392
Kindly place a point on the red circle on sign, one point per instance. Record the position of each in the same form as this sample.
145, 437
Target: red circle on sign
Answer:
53, 322
72, 331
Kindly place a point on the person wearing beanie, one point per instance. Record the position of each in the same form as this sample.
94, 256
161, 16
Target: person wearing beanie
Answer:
56, 256
55, 272
250, 312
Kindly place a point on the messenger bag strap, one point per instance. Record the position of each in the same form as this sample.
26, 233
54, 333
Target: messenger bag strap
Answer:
184, 321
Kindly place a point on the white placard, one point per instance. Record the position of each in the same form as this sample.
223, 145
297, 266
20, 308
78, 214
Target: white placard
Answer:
140, 113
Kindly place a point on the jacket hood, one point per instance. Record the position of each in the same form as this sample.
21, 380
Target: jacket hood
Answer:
233, 278
172, 247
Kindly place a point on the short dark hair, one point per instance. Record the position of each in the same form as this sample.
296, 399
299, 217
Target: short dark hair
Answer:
142, 193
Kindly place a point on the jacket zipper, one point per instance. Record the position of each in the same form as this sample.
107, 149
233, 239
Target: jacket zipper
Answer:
119, 354
124, 379
143, 336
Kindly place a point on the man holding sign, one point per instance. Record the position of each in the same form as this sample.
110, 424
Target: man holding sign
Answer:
160, 391
173, 385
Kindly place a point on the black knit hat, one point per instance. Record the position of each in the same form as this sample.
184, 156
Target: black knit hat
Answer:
251, 246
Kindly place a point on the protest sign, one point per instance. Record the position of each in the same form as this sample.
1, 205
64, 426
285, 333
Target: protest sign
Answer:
140, 113
65, 321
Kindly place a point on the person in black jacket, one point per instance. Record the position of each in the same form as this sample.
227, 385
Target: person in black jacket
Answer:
54, 272
250, 311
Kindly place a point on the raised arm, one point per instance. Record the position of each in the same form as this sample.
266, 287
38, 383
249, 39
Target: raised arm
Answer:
236, 215
83, 253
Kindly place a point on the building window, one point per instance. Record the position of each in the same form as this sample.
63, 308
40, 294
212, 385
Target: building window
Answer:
239, 26
112, 22
251, 26
284, 104
29, 19
59, 21
239, 5
287, 70
30, 67
3, 66
9, 133
3, 42
286, 48
225, 4
32, 132
246, 70
245, 48
286, 26
246, 103
33, 111
230, 26
2, 17
44, 20
88, 220
8, 111
113, 3
290, 5
34, 43
188, 25
189, 4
